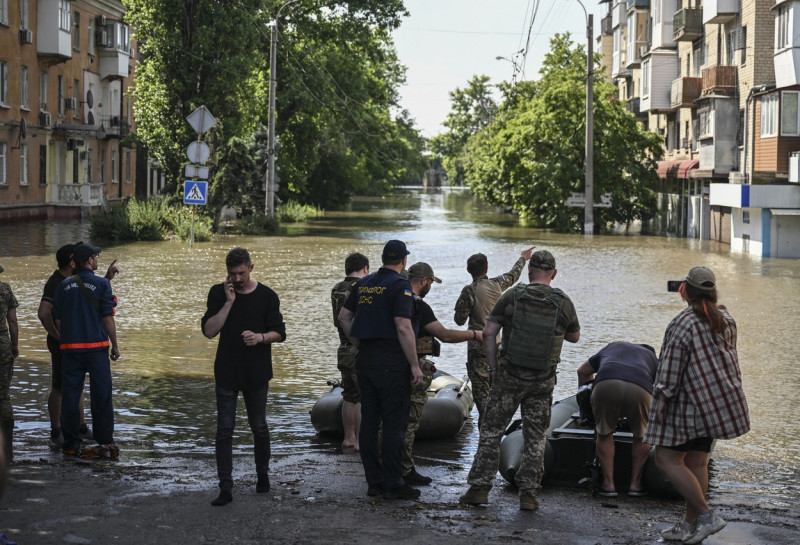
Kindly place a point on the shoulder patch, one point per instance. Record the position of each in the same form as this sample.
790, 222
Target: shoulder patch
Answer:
408, 293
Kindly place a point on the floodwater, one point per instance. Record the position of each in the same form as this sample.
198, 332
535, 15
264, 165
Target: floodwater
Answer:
163, 382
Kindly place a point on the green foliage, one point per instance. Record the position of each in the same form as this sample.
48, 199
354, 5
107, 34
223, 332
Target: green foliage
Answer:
152, 219
257, 224
472, 109
531, 157
294, 212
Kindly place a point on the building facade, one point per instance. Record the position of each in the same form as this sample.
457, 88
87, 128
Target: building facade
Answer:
720, 81
65, 70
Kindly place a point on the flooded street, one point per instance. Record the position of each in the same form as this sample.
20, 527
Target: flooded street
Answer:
163, 382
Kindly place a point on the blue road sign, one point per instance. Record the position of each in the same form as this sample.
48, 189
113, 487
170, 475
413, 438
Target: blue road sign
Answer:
195, 192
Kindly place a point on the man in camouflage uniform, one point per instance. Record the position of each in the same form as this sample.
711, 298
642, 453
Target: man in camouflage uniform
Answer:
356, 266
9, 349
421, 278
535, 320
475, 302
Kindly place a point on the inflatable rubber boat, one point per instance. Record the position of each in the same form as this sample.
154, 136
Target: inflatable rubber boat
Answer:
570, 452
448, 406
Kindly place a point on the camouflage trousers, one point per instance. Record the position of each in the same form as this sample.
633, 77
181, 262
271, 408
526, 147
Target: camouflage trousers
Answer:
6, 370
479, 378
419, 396
508, 393
346, 356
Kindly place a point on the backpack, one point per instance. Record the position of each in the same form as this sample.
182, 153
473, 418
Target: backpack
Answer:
532, 341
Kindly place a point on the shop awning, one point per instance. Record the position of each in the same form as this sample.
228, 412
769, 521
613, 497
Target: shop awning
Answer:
677, 169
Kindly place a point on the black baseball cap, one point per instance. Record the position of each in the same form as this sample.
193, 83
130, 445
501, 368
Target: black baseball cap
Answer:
394, 250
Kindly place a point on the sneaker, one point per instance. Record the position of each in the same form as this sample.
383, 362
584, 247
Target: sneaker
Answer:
412, 477
528, 502
702, 528
374, 490
404, 492
107, 452
476, 495
262, 485
677, 532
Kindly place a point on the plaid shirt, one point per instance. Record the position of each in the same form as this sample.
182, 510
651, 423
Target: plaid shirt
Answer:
698, 373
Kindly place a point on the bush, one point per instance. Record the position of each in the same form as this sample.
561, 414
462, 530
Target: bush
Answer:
294, 212
257, 224
179, 223
136, 220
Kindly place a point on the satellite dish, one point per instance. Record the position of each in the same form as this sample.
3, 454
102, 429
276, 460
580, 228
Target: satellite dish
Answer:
23, 129
89, 98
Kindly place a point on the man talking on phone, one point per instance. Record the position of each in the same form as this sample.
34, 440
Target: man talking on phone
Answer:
246, 315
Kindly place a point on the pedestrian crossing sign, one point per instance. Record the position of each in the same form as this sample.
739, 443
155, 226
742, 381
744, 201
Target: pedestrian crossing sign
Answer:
195, 192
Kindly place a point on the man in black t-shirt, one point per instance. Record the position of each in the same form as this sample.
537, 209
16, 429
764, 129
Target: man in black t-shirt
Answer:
246, 314
421, 278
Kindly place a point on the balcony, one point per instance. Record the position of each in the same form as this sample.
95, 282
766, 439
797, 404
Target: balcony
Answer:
687, 24
78, 194
619, 14
114, 125
605, 25
720, 11
114, 64
719, 80
685, 91
638, 4
53, 37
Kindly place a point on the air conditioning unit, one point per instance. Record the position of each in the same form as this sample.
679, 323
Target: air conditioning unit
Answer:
70, 103
25, 36
44, 120
739, 177
101, 38
101, 20
643, 49
794, 167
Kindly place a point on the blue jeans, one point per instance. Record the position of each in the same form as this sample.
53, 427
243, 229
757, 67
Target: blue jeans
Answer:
74, 367
385, 398
255, 401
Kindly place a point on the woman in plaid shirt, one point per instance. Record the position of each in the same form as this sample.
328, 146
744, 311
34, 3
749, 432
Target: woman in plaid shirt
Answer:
697, 398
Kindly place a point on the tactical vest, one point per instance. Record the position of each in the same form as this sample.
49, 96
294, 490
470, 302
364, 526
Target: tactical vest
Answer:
428, 346
532, 341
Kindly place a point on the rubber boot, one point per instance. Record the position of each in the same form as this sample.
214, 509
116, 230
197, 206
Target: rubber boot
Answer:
7, 427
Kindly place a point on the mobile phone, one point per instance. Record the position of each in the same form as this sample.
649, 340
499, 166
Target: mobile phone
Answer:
674, 285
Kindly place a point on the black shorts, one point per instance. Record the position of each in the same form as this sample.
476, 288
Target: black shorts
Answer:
55, 358
699, 444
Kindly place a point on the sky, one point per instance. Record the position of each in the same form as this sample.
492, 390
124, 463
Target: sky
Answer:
443, 43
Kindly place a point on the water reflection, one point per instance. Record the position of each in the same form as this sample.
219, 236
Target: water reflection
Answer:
164, 380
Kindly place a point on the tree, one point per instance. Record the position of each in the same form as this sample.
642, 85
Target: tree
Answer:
532, 156
472, 109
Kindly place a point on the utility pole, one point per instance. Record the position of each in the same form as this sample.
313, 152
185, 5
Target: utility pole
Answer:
269, 208
588, 225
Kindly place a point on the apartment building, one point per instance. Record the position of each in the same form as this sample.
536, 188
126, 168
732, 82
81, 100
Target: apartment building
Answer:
65, 68
720, 81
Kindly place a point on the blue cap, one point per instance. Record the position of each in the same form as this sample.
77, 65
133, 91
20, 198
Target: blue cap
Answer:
83, 252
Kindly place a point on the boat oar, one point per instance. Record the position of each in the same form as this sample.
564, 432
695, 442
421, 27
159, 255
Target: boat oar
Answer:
464, 382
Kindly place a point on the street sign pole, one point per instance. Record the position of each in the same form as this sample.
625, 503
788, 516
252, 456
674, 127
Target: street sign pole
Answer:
191, 231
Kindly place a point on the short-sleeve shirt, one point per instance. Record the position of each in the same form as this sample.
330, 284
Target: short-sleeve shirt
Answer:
478, 298
239, 367
625, 361
503, 314
339, 295
7, 302
376, 301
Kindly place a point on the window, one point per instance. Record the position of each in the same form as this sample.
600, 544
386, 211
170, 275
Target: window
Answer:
114, 167
743, 44
704, 122
23, 164
122, 37
23, 14
64, 15
102, 166
4, 12
730, 47
790, 113
61, 96
656, 12
699, 57
783, 34
76, 93
3, 160
23, 87
769, 116
90, 38
127, 166
89, 176
43, 91
42, 165
76, 31
645, 85
3, 83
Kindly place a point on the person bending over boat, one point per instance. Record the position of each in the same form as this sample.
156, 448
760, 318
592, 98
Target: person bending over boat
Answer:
474, 303
536, 319
356, 266
623, 376
378, 319
421, 278
697, 398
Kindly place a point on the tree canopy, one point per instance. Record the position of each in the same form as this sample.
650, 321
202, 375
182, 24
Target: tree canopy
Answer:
532, 154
